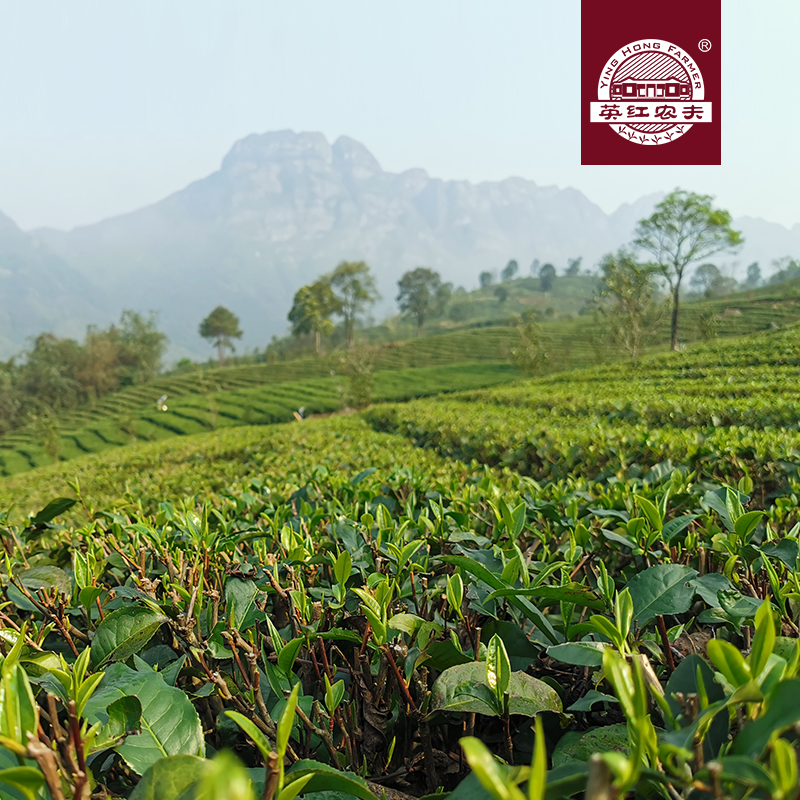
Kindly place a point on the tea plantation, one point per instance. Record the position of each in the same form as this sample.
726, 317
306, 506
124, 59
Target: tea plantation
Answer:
580, 586
192, 406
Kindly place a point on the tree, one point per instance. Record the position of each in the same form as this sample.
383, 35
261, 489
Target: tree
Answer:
627, 300
142, 347
683, 230
219, 328
55, 374
753, 280
785, 269
98, 371
359, 368
354, 288
530, 352
311, 311
703, 278
708, 323
708, 281
422, 293
535, 264
486, 279
573, 266
501, 293
510, 270
547, 276
48, 378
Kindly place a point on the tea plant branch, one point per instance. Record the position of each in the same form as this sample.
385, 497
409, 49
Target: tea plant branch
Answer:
322, 733
46, 606
80, 776
665, 644
46, 760
400, 680
255, 676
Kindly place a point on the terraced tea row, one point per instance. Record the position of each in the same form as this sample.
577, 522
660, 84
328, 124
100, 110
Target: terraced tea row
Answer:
260, 405
686, 409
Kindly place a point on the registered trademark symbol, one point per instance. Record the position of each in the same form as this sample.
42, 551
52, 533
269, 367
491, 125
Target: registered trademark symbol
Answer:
704, 45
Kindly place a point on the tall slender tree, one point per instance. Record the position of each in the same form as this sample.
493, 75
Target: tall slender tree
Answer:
510, 270
547, 277
573, 267
683, 230
354, 287
626, 300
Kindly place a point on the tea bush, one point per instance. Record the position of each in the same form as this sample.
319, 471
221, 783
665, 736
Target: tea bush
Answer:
545, 602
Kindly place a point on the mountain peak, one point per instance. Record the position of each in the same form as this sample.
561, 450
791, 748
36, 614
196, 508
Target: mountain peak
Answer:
286, 145
355, 158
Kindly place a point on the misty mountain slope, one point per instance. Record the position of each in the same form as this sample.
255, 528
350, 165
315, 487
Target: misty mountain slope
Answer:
285, 207
40, 292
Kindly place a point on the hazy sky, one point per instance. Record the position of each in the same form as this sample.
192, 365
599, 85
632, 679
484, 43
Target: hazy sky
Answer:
108, 105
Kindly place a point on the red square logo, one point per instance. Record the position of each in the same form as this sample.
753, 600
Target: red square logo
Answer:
650, 82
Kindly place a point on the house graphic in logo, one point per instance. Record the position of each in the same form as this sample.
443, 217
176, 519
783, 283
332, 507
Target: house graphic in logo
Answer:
672, 88
650, 92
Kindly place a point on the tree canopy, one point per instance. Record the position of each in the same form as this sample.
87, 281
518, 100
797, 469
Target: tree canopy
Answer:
684, 230
312, 309
573, 267
55, 374
501, 293
220, 327
510, 270
547, 276
354, 287
708, 281
421, 294
754, 279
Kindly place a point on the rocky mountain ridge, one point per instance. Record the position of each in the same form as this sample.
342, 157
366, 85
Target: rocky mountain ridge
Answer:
285, 207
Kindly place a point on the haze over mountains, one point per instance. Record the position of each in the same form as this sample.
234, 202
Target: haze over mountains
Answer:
285, 207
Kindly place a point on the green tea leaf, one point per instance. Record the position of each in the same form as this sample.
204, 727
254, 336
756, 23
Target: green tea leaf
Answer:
124, 632
498, 668
253, 731
26, 780
52, 510
527, 695
170, 725
662, 589
241, 599
46, 577
651, 512
170, 778
327, 778
574, 593
487, 770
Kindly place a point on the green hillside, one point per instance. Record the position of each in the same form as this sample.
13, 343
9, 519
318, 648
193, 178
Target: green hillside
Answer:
270, 392
726, 408
558, 536
125, 422
569, 303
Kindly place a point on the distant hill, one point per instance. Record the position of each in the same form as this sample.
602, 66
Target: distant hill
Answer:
285, 207
39, 292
